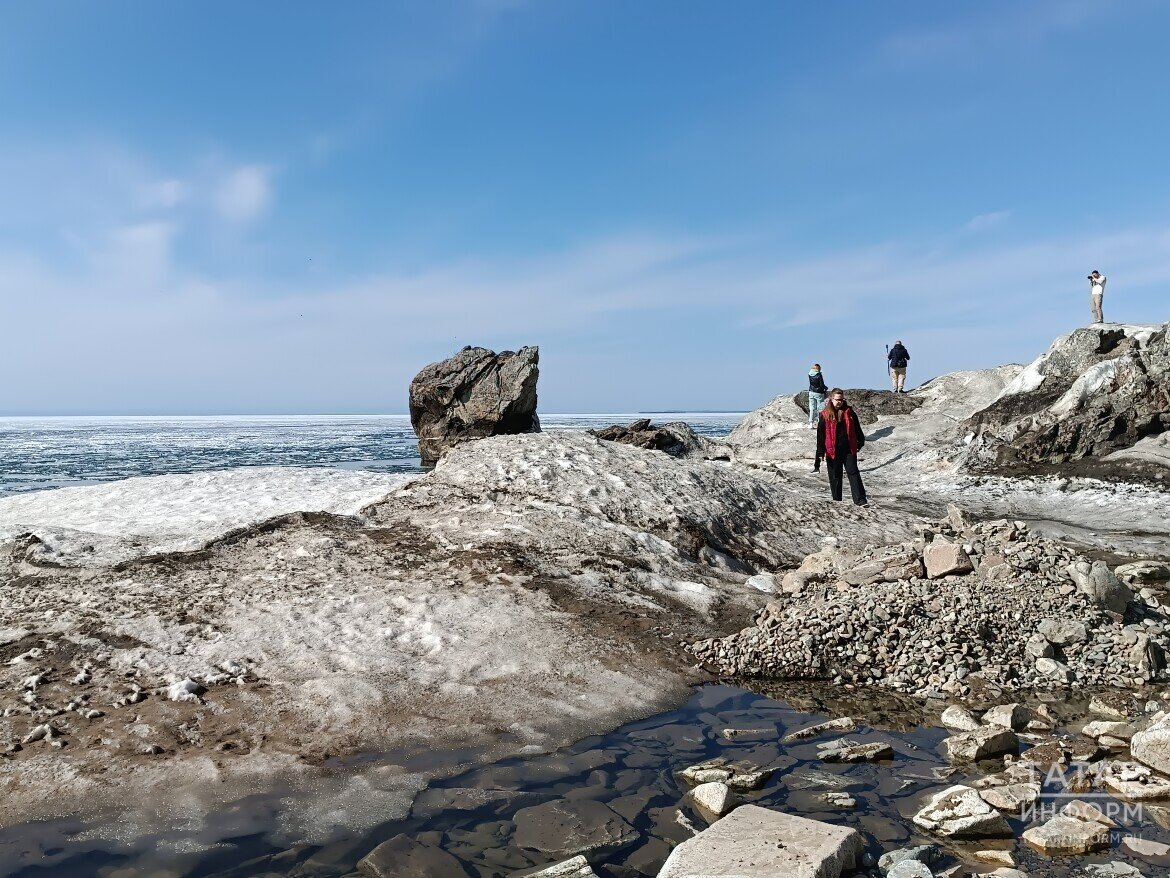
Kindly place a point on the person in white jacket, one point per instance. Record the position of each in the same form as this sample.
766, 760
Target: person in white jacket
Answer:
1097, 295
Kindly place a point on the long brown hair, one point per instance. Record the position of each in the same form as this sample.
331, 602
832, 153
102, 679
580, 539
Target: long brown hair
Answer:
838, 413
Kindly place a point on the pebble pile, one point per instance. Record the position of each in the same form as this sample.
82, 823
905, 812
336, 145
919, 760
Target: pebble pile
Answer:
968, 605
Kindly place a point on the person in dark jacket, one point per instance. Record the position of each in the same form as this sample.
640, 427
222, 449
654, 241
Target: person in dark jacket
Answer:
899, 359
817, 391
839, 438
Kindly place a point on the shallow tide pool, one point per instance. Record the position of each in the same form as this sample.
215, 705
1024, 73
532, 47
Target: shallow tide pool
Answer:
484, 816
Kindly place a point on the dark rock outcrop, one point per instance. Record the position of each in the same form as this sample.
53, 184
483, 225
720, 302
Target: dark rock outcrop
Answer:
1096, 392
871, 404
474, 394
676, 439
1056, 371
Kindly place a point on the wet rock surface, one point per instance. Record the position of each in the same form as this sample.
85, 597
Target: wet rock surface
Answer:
627, 801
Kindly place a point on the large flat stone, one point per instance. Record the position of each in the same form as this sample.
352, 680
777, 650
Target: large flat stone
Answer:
577, 867
754, 842
1012, 798
1135, 782
566, 827
1064, 834
959, 719
403, 857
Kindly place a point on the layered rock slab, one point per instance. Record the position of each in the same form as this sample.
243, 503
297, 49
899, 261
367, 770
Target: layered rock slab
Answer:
755, 842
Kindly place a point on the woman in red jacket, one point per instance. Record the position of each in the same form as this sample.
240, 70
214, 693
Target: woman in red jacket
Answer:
839, 438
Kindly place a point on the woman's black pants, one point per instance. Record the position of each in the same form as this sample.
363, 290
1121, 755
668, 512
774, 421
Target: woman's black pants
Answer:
846, 464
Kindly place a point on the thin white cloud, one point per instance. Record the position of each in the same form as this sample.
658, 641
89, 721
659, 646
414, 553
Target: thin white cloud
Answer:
990, 28
133, 327
983, 221
244, 193
163, 194
141, 251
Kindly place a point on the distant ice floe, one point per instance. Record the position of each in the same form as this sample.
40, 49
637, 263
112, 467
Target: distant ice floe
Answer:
150, 514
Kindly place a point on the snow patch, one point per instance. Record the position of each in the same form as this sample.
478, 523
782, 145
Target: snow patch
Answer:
149, 514
1090, 382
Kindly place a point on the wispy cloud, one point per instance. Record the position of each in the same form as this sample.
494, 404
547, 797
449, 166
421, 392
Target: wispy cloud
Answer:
164, 194
983, 221
126, 323
990, 28
245, 193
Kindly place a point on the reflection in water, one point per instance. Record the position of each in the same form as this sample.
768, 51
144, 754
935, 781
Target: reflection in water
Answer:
479, 816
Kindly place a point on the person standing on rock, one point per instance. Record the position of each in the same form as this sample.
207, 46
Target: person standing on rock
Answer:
839, 438
816, 394
899, 359
1097, 295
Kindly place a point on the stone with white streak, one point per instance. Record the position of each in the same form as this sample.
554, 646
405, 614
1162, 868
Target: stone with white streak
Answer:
577, 867
959, 812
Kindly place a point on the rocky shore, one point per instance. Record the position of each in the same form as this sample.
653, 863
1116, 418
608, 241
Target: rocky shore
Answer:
534, 588
967, 607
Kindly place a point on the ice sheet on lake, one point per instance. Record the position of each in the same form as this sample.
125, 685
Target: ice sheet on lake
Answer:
183, 511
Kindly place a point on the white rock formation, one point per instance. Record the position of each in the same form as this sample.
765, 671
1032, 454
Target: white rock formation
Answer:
754, 842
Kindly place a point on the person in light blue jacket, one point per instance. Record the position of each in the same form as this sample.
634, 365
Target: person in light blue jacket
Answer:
816, 394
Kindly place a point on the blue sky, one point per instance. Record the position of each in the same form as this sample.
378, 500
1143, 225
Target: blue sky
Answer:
255, 208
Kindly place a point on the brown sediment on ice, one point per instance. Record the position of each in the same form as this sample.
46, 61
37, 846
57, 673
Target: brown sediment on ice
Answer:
531, 589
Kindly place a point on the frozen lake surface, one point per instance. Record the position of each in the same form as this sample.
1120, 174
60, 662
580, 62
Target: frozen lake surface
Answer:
40, 453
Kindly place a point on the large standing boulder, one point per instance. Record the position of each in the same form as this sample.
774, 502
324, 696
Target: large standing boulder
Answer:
474, 394
755, 842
